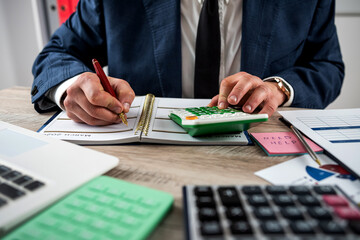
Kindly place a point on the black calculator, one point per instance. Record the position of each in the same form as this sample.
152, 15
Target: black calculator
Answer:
269, 212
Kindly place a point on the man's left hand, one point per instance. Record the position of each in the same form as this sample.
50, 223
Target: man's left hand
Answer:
250, 92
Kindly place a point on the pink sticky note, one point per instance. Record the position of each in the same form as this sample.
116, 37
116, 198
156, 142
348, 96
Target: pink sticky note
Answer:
283, 143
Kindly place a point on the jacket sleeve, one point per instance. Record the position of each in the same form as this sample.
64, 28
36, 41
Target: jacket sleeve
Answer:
69, 52
318, 73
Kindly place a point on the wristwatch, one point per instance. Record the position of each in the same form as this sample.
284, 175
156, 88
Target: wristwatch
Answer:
281, 86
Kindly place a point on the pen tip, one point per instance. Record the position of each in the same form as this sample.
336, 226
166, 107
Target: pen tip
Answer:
318, 162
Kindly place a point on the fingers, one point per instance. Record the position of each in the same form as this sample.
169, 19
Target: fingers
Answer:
96, 95
266, 95
214, 101
250, 92
86, 101
124, 92
235, 87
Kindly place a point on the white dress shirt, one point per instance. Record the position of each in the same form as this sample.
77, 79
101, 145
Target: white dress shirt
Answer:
230, 18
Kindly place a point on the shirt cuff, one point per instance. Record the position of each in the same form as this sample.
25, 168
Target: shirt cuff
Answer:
288, 86
56, 93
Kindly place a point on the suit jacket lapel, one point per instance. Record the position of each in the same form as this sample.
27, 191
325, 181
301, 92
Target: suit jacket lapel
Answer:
164, 21
259, 21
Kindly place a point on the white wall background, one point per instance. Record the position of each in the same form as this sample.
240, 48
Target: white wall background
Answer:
18, 47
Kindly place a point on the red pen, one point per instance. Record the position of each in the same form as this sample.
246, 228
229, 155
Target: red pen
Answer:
106, 85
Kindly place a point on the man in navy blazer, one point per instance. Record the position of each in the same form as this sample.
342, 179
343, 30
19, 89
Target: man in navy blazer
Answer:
140, 41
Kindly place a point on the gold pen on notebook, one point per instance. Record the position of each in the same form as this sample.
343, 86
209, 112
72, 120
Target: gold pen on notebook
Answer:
107, 87
302, 140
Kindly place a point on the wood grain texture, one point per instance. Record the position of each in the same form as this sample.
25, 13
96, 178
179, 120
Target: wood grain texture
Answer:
163, 167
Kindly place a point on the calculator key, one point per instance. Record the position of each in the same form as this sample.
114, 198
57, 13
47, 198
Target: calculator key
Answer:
271, 227
274, 190
4, 169
229, 196
211, 228
250, 190
331, 227
34, 185
283, 200
309, 200
203, 191
10, 191
291, 213
264, 213
205, 202
299, 190
235, 213
355, 226
324, 190
258, 200
335, 200
347, 213
22, 180
208, 214
240, 227
12, 175
301, 227
319, 213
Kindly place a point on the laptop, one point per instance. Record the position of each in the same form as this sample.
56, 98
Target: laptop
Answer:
36, 170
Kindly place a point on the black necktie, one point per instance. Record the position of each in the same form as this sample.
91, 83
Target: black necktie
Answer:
207, 52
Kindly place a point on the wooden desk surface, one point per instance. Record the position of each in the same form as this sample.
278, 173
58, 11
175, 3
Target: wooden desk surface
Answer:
163, 167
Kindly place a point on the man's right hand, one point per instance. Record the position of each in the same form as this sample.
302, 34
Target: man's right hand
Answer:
86, 101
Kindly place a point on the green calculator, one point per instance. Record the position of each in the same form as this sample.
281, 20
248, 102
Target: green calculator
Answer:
210, 120
104, 208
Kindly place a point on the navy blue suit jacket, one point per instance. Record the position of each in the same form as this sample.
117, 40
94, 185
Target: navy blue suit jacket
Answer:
140, 41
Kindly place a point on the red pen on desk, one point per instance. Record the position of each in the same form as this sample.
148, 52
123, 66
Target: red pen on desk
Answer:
106, 85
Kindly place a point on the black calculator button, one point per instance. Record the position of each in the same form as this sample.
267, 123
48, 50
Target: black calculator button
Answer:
240, 227
205, 202
274, 190
258, 200
301, 227
355, 226
235, 213
271, 227
328, 190
291, 213
211, 228
264, 213
309, 200
229, 196
208, 214
331, 227
319, 213
203, 191
299, 190
283, 200
250, 190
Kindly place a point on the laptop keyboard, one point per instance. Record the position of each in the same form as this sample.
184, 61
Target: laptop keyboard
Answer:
269, 212
14, 184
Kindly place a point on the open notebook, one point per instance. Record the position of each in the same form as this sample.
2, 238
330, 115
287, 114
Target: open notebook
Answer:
148, 121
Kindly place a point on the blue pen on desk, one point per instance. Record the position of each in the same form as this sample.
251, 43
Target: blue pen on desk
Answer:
302, 140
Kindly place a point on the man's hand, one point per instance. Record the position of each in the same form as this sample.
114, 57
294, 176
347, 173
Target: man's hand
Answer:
86, 101
250, 92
